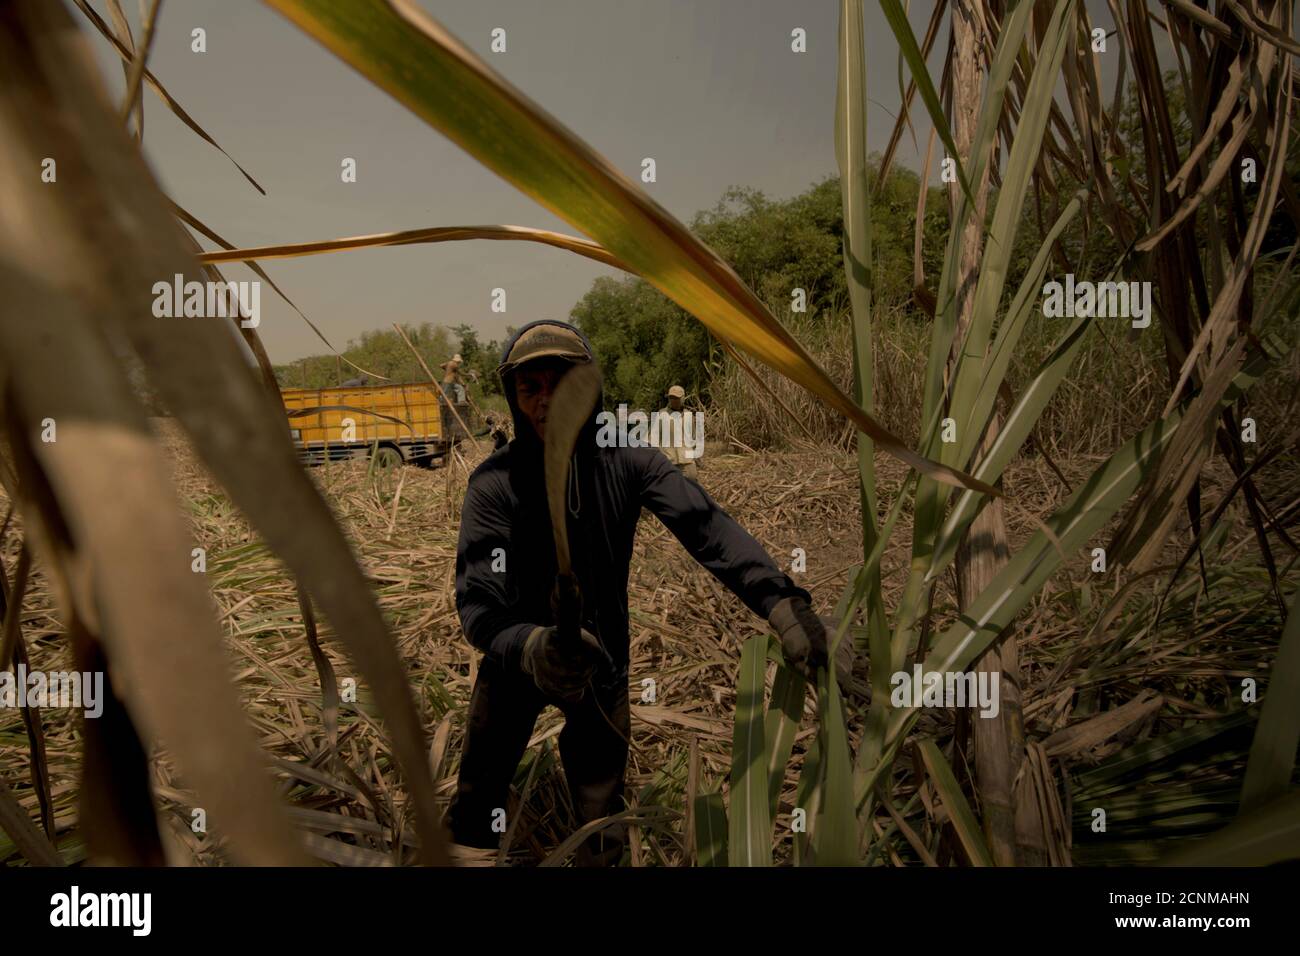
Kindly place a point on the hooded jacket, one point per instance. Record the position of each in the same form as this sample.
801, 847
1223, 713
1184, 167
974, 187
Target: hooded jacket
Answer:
505, 560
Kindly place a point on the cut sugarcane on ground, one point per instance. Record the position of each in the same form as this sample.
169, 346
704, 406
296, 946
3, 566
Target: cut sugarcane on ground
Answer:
1181, 671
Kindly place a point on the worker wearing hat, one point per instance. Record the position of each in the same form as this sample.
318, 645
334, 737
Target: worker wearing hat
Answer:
677, 453
505, 575
454, 392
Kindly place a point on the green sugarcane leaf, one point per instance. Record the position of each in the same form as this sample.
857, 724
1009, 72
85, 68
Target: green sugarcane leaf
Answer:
928, 509
1011, 436
991, 110
996, 258
835, 841
749, 840
710, 830
784, 714
1206, 742
807, 798
1272, 755
881, 649
1083, 515
1267, 835
896, 17
855, 196
996, 253
1024, 305
961, 816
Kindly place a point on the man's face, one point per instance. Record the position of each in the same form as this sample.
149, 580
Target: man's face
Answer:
675, 403
534, 385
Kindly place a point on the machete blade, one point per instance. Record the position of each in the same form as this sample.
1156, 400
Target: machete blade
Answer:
570, 407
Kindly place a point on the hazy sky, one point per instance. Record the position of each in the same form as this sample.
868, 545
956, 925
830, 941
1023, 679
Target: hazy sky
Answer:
709, 88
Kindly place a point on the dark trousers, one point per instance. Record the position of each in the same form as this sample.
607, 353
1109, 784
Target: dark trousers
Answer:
502, 711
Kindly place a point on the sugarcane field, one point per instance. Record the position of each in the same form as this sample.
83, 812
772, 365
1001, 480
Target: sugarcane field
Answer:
866, 439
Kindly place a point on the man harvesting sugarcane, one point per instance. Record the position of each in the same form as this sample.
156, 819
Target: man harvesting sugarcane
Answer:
541, 586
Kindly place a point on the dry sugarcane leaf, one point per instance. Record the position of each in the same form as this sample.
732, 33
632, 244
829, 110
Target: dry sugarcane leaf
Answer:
1223, 111
161, 90
11, 603
408, 237
1225, 164
1151, 520
658, 715
250, 335
31, 842
124, 37
1097, 730
145, 595
135, 74
1154, 514
117, 810
343, 854
1262, 29
329, 684
1201, 17
415, 59
196, 365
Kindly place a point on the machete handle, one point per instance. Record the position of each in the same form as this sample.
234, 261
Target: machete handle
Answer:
566, 604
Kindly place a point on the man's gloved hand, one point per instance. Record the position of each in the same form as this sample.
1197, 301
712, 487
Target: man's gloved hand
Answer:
557, 671
803, 638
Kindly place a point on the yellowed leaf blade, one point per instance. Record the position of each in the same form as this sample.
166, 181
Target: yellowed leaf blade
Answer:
250, 335
411, 56
407, 237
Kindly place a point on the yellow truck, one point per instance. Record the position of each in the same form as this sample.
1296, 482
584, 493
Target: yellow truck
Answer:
393, 423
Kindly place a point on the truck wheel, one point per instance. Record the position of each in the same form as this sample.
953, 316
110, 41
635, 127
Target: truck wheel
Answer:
388, 457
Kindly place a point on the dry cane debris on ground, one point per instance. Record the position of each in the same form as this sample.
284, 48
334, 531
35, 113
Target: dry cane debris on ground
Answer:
686, 634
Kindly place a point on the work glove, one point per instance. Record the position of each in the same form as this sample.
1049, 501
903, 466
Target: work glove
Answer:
803, 638
558, 671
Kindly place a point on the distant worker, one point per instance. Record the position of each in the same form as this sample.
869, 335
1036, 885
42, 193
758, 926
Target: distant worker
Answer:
451, 383
454, 392
676, 434
359, 382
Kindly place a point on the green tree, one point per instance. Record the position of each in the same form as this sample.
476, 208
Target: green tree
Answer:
380, 351
642, 340
481, 359
646, 343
